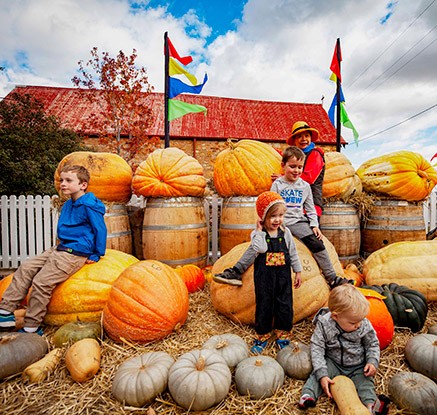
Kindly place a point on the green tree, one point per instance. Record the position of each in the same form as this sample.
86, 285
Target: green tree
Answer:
32, 145
119, 90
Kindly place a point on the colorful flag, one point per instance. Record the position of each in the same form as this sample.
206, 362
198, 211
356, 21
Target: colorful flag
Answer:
434, 156
175, 69
178, 109
185, 60
335, 63
344, 117
177, 87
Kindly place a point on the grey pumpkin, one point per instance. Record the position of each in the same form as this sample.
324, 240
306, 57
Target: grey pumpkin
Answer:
414, 392
421, 353
295, 359
140, 379
259, 376
199, 380
230, 346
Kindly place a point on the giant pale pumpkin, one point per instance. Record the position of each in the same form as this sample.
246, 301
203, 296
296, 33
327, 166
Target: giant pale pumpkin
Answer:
147, 302
238, 303
83, 295
169, 172
403, 175
340, 180
411, 264
110, 175
245, 168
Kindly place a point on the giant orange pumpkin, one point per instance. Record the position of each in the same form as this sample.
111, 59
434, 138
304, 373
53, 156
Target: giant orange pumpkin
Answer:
83, 295
340, 180
380, 317
238, 303
147, 302
169, 172
245, 168
110, 175
403, 174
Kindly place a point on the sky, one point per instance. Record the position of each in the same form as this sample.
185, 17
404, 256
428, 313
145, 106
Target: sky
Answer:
275, 50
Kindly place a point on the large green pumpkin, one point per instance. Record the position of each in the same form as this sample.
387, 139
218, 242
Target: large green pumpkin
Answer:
407, 307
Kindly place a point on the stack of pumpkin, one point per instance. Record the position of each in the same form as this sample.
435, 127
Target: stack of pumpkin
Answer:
174, 225
110, 181
242, 172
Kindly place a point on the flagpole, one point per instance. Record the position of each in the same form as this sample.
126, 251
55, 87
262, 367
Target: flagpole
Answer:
166, 89
338, 113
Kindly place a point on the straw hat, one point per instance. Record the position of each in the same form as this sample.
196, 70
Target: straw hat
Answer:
300, 127
265, 201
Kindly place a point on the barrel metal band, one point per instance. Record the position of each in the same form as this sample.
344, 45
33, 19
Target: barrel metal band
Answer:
184, 261
397, 218
236, 226
173, 227
339, 228
118, 234
394, 228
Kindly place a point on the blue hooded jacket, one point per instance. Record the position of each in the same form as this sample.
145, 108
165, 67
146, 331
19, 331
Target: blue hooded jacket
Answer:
81, 226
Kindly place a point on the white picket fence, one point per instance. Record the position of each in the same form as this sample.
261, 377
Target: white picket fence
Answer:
28, 225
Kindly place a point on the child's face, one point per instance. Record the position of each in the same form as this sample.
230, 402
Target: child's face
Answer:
293, 169
303, 139
71, 186
348, 320
273, 221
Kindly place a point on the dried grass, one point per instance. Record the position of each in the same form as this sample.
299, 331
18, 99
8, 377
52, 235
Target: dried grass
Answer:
60, 395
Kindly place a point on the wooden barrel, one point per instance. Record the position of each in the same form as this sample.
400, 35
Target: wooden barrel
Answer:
392, 221
340, 223
237, 221
175, 231
118, 227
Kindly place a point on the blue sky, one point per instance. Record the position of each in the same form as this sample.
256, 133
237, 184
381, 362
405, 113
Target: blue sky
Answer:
275, 50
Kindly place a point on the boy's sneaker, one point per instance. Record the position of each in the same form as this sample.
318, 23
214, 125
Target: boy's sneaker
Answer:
281, 343
306, 402
335, 282
228, 276
258, 346
7, 322
38, 331
380, 407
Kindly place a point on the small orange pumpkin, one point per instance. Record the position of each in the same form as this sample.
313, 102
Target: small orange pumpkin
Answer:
380, 317
147, 302
351, 272
111, 175
193, 277
169, 172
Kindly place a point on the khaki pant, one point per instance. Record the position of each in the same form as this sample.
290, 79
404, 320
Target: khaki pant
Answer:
41, 273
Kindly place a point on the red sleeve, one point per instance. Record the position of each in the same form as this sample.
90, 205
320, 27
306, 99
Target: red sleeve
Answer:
313, 167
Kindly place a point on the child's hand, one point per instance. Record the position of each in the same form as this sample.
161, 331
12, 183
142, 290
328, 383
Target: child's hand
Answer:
90, 261
274, 176
325, 382
318, 233
259, 225
297, 280
369, 370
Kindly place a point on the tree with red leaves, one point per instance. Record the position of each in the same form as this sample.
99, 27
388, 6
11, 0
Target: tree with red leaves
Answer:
122, 115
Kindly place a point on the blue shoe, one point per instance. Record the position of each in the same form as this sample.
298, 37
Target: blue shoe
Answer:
7, 322
38, 331
258, 346
281, 343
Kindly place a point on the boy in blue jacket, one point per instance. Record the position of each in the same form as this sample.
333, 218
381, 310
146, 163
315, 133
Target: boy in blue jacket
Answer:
81, 233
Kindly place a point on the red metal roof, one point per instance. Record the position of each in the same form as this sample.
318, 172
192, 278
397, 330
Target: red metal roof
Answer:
226, 117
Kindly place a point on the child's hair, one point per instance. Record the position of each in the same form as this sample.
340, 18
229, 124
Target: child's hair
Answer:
82, 173
346, 298
291, 152
275, 208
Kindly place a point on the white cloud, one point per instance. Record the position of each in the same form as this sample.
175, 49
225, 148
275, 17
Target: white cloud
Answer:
280, 51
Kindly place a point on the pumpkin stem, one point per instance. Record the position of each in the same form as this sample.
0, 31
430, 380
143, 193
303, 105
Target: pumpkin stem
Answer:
200, 365
232, 142
221, 344
296, 347
7, 338
258, 362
